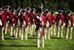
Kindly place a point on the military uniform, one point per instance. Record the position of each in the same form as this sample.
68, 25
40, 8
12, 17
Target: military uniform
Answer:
3, 18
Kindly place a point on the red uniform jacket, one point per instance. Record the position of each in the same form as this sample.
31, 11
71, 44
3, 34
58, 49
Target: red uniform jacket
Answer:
3, 18
9, 14
44, 19
15, 19
55, 20
50, 19
30, 17
62, 19
27, 20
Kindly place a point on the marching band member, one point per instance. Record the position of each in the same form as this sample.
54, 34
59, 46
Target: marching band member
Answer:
37, 26
31, 20
19, 23
43, 27
62, 22
9, 15
14, 23
27, 21
69, 24
3, 18
23, 24
50, 20
72, 24
49, 24
55, 21
44, 21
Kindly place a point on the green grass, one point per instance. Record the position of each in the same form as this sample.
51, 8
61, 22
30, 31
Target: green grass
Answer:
10, 43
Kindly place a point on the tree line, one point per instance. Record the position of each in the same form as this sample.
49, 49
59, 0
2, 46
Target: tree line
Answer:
50, 4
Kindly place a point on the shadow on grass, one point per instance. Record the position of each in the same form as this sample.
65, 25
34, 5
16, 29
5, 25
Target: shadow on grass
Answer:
17, 45
11, 38
56, 38
31, 38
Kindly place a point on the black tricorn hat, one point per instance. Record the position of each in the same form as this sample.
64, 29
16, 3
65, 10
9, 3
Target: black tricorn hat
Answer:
23, 10
68, 11
60, 11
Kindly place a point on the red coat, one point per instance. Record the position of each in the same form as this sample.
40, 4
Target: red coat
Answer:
63, 19
3, 18
9, 16
50, 19
56, 20
5, 12
27, 20
30, 17
15, 19
44, 19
